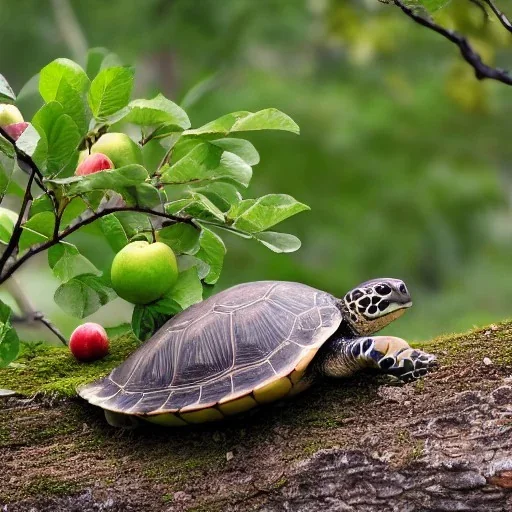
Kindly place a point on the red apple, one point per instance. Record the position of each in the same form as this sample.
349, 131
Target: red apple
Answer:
89, 342
15, 130
94, 163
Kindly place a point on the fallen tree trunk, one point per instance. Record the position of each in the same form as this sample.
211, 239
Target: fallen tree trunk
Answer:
441, 444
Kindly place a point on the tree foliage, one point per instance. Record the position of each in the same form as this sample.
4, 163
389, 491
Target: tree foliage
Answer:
186, 193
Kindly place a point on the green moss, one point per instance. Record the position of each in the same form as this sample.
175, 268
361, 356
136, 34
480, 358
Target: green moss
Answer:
53, 370
493, 342
43, 486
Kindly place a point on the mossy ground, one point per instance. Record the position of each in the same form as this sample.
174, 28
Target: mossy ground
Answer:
53, 370
53, 444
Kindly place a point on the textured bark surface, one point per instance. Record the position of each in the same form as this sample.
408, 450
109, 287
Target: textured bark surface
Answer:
443, 444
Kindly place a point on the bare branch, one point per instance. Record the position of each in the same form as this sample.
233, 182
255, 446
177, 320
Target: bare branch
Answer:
36, 249
501, 16
482, 70
25, 162
28, 314
16, 234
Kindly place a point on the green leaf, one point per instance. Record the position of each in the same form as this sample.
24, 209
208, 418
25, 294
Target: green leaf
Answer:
9, 341
268, 119
181, 238
114, 179
60, 134
166, 130
110, 91
433, 5
58, 71
35, 146
73, 104
146, 320
158, 110
222, 195
8, 219
268, 211
146, 195
40, 204
197, 206
6, 148
6, 93
7, 167
114, 232
212, 251
133, 223
188, 290
240, 208
83, 295
99, 58
74, 209
240, 147
197, 164
66, 262
222, 125
278, 242
186, 261
37, 229
207, 162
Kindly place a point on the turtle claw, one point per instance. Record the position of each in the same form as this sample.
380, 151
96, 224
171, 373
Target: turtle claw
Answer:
407, 365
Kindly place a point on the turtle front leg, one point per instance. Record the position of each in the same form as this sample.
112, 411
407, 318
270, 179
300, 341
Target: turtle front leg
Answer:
393, 356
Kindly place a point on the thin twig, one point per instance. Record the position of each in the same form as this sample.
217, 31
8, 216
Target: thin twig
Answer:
16, 234
41, 318
24, 159
28, 313
501, 16
36, 249
481, 69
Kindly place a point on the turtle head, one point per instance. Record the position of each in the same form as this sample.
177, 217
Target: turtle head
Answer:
374, 304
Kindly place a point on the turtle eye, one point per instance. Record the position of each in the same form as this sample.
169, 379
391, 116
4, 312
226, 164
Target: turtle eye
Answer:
383, 289
403, 289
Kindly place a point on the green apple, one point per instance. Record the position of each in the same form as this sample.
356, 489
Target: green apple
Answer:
143, 272
9, 114
119, 148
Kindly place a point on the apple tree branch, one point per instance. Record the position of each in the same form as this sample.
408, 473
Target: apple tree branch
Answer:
481, 69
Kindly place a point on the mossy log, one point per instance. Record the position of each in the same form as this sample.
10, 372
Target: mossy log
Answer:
441, 444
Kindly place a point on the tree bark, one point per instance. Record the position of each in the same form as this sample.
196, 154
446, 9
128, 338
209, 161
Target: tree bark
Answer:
441, 444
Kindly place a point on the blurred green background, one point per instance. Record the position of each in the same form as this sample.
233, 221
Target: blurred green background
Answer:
403, 155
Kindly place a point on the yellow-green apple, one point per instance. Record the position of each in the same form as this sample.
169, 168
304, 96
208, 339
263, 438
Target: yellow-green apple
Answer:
94, 163
9, 114
119, 148
142, 272
89, 342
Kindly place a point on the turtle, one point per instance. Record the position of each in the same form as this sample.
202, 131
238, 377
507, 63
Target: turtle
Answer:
253, 344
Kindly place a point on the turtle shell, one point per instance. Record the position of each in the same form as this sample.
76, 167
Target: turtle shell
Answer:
246, 345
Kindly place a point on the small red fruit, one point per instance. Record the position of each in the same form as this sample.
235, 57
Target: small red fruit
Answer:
15, 130
94, 163
89, 342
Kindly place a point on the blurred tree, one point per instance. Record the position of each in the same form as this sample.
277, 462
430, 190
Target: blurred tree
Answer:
403, 155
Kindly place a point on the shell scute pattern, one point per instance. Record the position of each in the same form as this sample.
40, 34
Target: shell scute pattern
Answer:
220, 349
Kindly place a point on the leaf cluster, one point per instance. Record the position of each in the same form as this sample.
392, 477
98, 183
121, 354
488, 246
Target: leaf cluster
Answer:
186, 190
